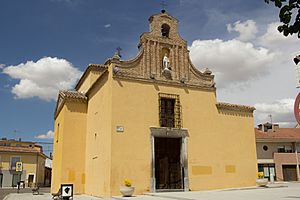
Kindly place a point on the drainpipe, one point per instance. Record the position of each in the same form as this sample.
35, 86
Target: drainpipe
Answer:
297, 162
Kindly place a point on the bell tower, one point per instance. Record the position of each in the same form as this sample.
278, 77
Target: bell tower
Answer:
163, 57
161, 44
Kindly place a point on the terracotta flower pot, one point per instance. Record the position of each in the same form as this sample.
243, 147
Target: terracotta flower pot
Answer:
126, 191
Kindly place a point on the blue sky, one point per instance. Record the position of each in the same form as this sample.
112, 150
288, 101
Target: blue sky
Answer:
83, 32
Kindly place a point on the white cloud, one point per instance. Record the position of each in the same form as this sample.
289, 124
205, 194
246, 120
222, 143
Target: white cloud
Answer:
2, 66
233, 62
282, 112
275, 40
247, 29
107, 25
43, 78
48, 135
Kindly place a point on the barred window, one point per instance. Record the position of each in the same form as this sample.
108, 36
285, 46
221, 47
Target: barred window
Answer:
169, 110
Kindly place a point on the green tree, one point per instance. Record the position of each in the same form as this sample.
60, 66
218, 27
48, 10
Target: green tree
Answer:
289, 15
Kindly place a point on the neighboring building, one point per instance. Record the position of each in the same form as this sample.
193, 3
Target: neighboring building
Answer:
153, 119
276, 151
29, 154
48, 172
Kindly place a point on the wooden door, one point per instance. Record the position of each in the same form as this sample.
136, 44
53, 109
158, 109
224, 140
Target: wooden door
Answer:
168, 169
289, 172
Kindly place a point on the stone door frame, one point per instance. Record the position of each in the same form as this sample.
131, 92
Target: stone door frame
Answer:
170, 133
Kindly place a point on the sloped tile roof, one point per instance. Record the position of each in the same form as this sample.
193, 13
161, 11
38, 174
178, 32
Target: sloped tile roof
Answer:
72, 95
19, 149
281, 133
91, 67
234, 107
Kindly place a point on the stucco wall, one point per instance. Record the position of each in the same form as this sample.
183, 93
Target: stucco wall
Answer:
98, 139
218, 141
57, 151
88, 81
32, 164
272, 148
69, 147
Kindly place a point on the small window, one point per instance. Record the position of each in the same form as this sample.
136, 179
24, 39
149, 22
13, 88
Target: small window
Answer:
288, 149
165, 29
265, 148
280, 149
13, 162
57, 137
169, 110
285, 149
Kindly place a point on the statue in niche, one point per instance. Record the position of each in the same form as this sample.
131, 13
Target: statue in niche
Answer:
167, 71
166, 63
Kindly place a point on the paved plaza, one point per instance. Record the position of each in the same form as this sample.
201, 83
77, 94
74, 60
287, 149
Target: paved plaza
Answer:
279, 191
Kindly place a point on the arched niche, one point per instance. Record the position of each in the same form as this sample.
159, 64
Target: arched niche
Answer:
164, 51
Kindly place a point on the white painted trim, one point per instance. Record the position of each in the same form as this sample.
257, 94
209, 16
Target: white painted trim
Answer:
169, 133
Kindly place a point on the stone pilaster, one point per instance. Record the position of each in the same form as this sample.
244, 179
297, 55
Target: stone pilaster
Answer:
158, 61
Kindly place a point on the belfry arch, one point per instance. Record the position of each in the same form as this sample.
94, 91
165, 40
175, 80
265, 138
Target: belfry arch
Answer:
165, 30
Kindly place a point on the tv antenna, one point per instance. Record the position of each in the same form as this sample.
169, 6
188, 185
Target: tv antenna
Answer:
270, 118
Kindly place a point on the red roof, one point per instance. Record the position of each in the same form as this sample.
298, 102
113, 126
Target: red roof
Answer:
291, 134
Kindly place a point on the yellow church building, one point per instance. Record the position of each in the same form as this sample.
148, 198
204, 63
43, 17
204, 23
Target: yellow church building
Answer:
154, 120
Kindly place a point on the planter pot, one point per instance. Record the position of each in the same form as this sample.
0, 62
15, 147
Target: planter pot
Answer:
126, 191
262, 182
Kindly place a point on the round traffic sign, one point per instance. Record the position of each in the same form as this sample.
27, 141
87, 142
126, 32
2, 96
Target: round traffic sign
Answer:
297, 109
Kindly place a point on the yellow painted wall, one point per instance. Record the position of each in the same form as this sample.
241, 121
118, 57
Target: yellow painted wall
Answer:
98, 140
89, 80
69, 151
32, 164
57, 151
221, 146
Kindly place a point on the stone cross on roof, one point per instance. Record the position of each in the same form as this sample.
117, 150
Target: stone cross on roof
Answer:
119, 49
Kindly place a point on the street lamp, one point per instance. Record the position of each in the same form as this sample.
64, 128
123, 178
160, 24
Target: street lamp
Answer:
297, 59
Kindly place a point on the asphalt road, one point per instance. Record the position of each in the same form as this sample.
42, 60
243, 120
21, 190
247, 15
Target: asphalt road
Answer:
6, 191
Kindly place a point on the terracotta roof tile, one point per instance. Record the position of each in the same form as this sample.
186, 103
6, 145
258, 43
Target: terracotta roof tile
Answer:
18, 149
234, 107
73, 94
281, 133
